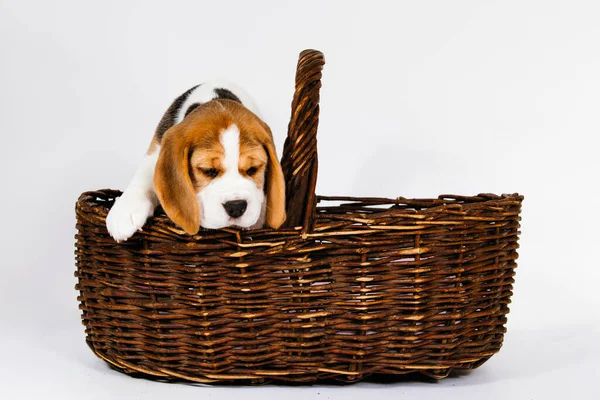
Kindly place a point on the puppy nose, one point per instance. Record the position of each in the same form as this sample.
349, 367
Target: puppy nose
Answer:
235, 208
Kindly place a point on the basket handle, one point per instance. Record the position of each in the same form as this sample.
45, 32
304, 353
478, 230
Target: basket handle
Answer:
299, 160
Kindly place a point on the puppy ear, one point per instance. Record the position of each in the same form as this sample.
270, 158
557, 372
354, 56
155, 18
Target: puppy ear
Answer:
275, 215
173, 183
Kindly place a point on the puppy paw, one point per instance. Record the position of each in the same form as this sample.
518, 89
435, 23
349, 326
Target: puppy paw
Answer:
128, 214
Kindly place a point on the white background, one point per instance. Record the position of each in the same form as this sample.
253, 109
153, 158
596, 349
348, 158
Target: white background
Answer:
419, 98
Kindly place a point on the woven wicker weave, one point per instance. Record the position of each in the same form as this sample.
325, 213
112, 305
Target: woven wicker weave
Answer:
355, 287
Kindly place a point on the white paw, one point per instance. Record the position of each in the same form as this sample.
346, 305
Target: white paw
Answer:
128, 214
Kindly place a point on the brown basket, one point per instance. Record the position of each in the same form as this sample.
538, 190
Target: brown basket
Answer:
368, 286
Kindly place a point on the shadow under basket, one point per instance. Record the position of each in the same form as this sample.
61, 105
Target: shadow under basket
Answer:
350, 287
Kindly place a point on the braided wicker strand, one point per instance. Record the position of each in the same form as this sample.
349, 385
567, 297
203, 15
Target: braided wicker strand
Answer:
299, 160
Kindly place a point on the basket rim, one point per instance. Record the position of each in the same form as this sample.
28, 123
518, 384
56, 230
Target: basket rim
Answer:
446, 209
440, 201
427, 203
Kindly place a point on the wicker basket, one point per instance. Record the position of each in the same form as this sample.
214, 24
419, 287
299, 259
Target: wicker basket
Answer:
353, 287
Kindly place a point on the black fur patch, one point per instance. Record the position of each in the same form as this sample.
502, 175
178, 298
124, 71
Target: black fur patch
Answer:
226, 94
191, 108
170, 116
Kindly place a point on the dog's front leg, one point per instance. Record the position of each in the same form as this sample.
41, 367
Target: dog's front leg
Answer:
136, 204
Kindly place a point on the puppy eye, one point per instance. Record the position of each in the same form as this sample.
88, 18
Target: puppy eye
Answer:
210, 172
251, 171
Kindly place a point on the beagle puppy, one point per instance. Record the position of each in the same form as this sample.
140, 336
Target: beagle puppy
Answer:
211, 163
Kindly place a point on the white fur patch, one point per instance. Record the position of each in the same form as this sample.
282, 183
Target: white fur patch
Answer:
229, 186
136, 204
206, 92
230, 139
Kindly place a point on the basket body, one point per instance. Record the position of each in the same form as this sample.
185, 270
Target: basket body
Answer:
418, 285
350, 288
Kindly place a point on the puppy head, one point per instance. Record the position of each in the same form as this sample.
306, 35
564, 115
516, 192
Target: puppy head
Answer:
218, 168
